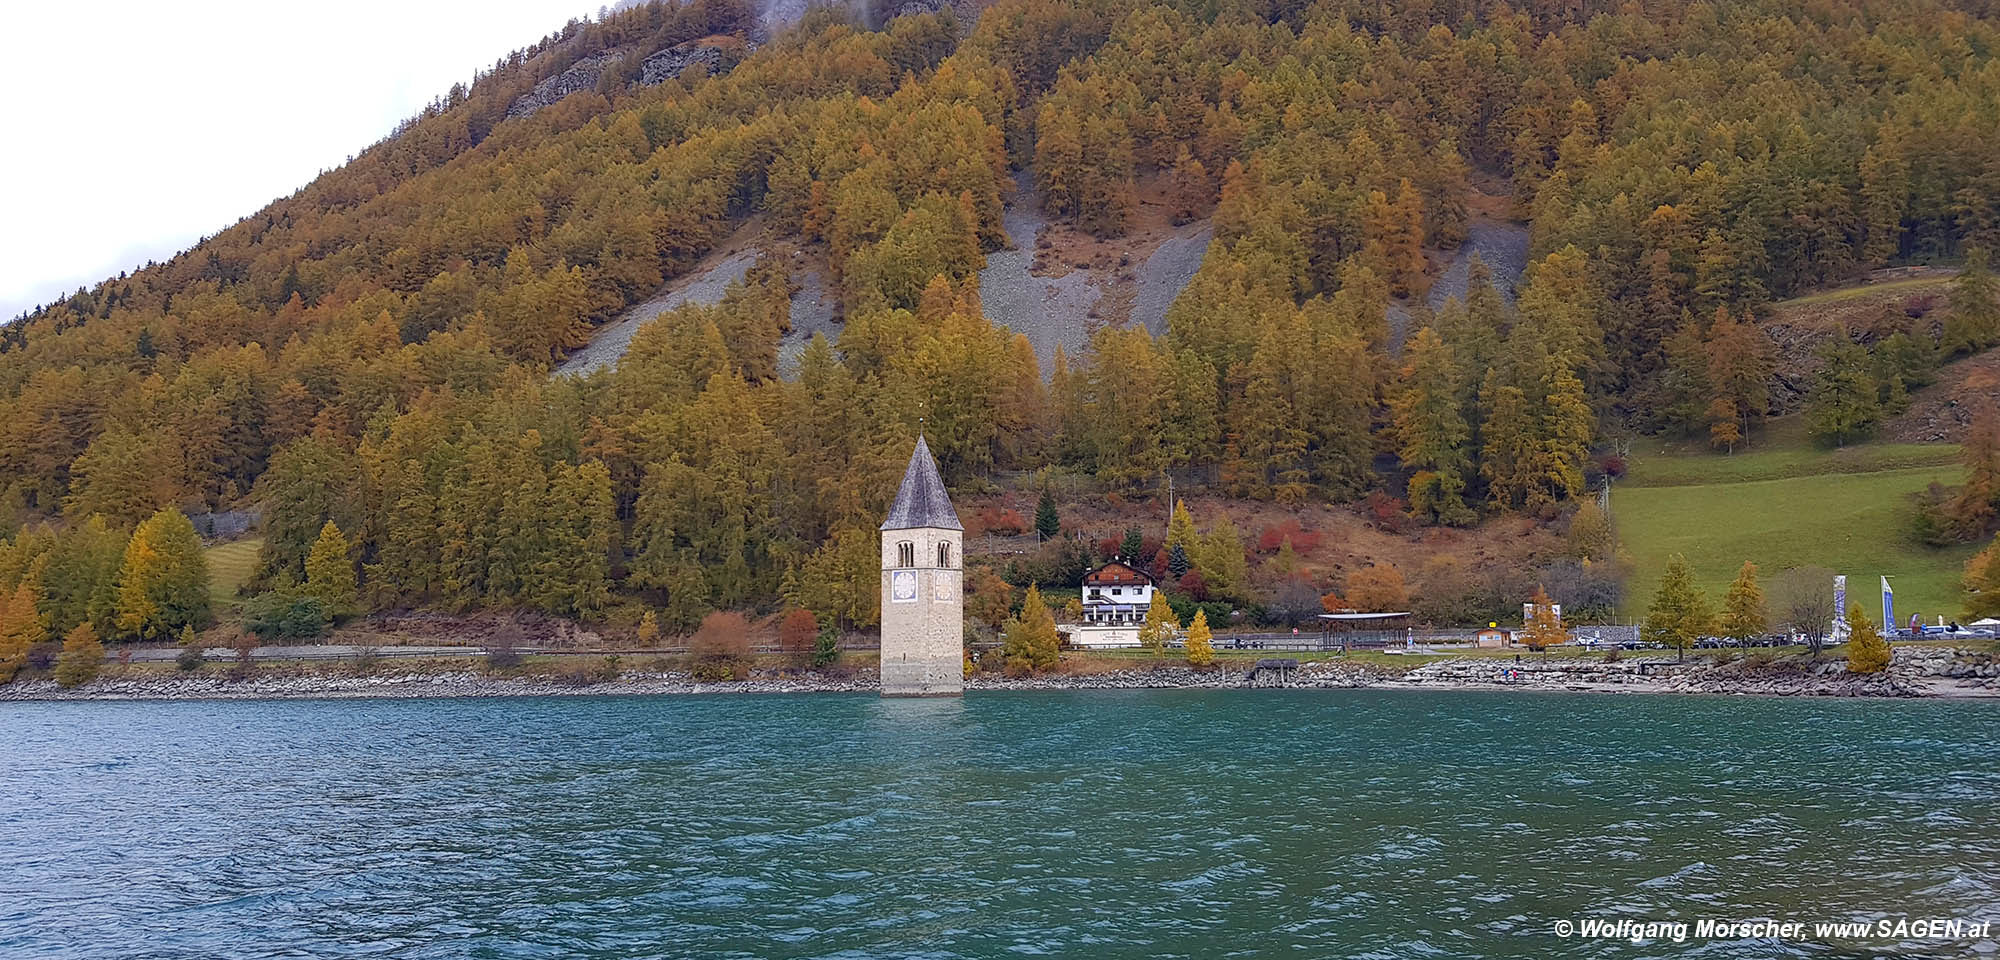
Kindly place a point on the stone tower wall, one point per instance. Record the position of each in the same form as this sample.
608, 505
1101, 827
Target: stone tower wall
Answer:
923, 639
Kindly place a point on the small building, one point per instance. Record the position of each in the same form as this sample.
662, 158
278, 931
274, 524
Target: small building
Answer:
1492, 636
1124, 635
1116, 594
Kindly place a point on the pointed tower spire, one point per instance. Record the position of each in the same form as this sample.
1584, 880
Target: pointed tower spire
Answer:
922, 500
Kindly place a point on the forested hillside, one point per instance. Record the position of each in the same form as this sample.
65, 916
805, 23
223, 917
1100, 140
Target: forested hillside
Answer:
374, 351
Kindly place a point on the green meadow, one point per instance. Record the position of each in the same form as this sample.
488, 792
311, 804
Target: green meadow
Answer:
1784, 504
229, 565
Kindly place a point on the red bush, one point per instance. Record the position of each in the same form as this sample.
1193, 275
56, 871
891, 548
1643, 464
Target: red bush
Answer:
1388, 511
722, 634
1611, 465
1194, 585
1001, 521
798, 631
1275, 535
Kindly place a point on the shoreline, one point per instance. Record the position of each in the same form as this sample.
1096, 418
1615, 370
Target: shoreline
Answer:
1917, 673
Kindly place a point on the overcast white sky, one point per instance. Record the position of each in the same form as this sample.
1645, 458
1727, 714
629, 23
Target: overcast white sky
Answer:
132, 129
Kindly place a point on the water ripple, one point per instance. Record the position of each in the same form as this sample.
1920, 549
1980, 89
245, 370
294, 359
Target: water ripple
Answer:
1133, 824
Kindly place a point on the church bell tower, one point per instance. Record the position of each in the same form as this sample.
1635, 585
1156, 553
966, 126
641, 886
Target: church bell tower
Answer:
923, 608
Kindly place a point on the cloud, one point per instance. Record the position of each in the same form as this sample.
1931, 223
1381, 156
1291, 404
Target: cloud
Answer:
133, 129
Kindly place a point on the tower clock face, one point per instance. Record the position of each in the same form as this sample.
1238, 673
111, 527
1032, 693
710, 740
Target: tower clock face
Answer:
903, 586
941, 591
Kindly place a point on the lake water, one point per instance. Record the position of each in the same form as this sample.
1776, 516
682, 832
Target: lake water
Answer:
1097, 824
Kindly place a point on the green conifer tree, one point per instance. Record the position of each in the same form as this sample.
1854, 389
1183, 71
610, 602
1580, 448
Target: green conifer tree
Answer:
1680, 614
1431, 429
1867, 652
1743, 615
81, 657
1200, 645
1160, 624
163, 582
1030, 643
330, 571
1843, 404
1048, 523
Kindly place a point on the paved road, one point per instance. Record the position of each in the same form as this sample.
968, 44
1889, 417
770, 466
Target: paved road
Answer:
327, 651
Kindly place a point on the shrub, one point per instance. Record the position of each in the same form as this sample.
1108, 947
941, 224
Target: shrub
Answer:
280, 615
713, 671
1001, 521
1378, 589
42, 656
721, 647
826, 647
246, 649
502, 650
366, 659
190, 657
722, 634
1275, 535
796, 633
1389, 512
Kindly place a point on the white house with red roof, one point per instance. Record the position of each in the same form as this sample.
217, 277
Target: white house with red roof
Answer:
1116, 594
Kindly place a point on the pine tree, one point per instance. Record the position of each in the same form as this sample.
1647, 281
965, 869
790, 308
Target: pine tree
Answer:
1743, 616
330, 571
1030, 643
1132, 546
1741, 360
1178, 563
1543, 628
1680, 614
1219, 557
1048, 523
1510, 447
1982, 582
1973, 322
1567, 426
649, 628
163, 582
1685, 390
1200, 645
1867, 652
1885, 193
826, 646
1180, 528
1160, 624
81, 657
1431, 430
21, 627
1843, 404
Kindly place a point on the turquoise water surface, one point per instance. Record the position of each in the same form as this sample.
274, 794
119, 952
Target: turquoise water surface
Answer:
1095, 824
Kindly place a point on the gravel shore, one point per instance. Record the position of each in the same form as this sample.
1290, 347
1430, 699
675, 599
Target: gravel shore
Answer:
1916, 672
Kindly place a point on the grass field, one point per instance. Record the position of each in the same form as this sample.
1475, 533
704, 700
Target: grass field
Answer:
1789, 504
1781, 452
1904, 287
229, 565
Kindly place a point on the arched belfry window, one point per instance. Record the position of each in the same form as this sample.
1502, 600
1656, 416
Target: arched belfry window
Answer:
944, 554
906, 554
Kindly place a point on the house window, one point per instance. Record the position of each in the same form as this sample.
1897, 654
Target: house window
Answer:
944, 554
906, 554
1115, 591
